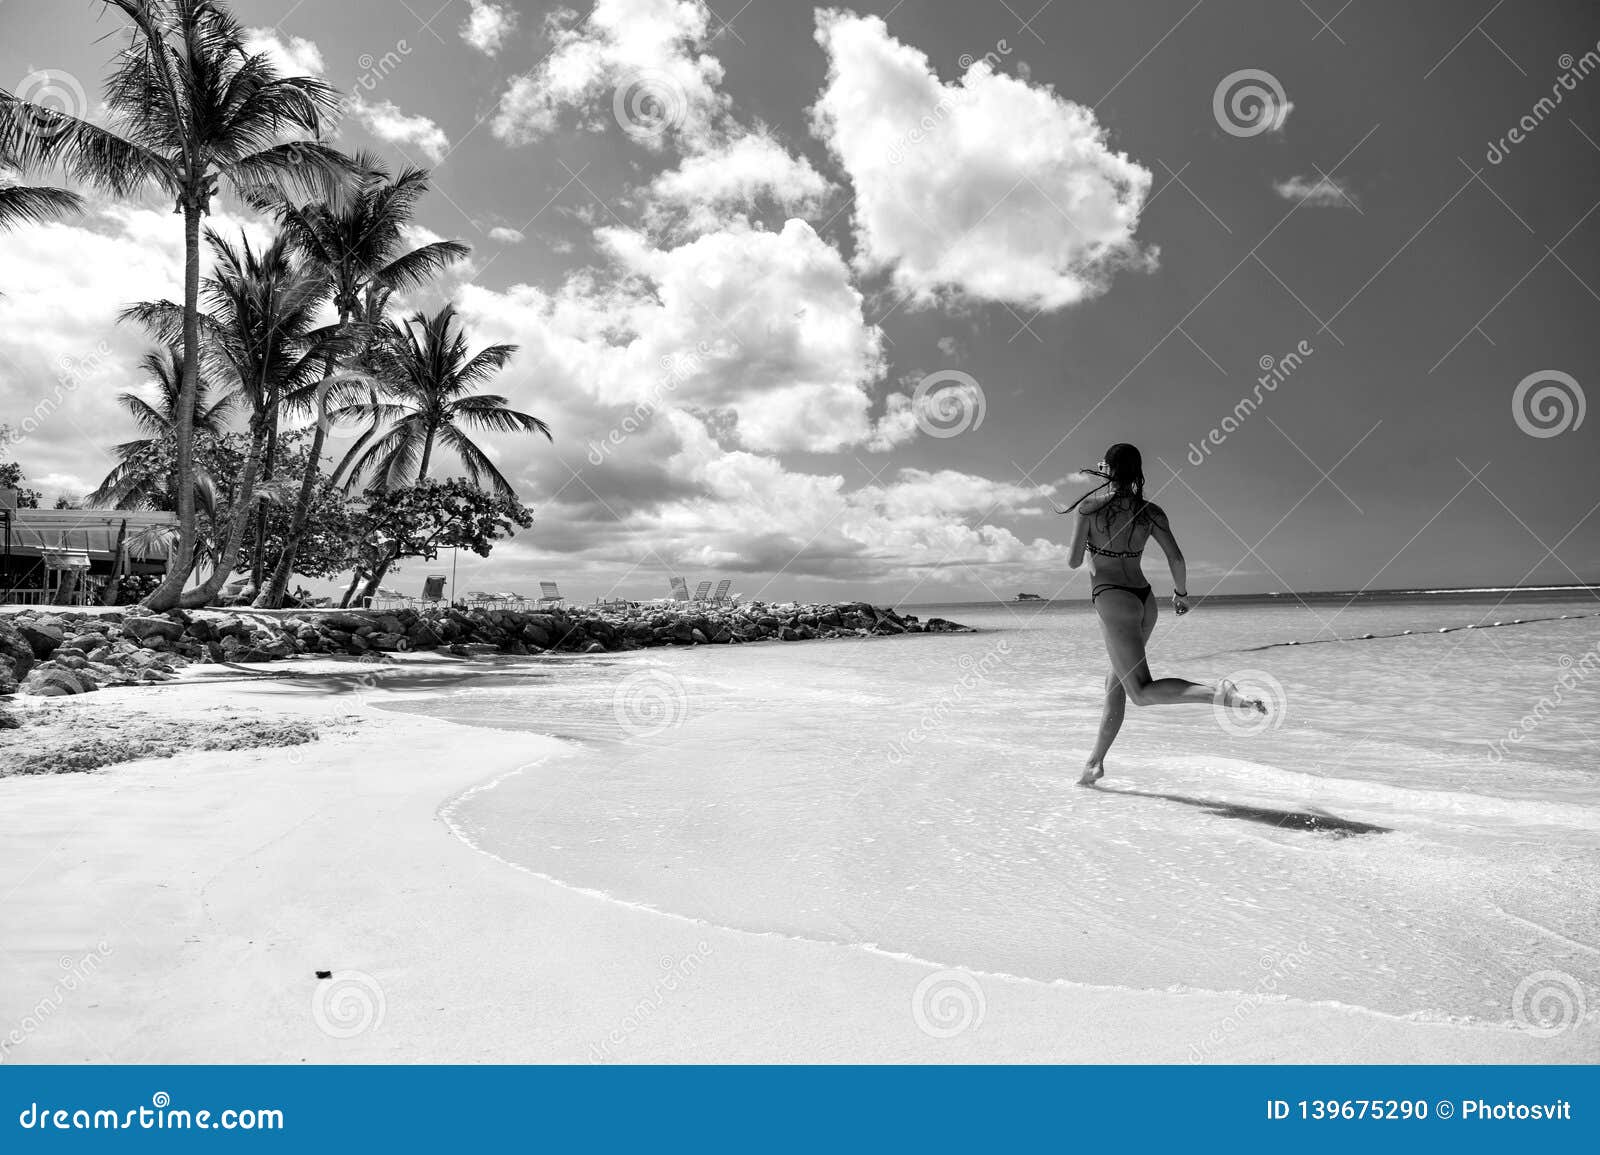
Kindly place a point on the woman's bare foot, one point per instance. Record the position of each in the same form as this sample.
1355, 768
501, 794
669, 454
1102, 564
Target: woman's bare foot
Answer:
1092, 773
1228, 695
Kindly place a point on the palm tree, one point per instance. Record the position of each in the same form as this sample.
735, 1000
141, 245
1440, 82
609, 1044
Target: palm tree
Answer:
259, 333
356, 240
189, 106
132, 482
428, 373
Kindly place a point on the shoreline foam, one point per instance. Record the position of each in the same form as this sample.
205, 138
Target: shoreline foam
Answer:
221, 882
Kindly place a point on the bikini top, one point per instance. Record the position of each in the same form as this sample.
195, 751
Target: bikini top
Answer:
1094, 549
1090, 546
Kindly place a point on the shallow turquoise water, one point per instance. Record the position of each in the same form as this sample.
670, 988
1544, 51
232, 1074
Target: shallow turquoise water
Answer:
916, 795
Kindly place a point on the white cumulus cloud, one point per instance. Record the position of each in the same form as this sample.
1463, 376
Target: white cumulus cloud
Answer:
734, 176
766, 326
386, 121
488, 26
1321, 192
988, 188
627, 63
295, 56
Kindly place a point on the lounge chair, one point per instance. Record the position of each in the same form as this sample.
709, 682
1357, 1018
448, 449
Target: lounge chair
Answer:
511, 601
433, 589
702, 591
388, 599
680, 590
721, 595
549, 595
478, 598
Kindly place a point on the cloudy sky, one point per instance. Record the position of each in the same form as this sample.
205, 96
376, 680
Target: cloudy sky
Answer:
832, 301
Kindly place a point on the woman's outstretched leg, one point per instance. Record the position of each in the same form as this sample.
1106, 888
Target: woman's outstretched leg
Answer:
1172, 691
1122, 618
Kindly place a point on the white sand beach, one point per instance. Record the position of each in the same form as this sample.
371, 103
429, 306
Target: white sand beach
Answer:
178, 910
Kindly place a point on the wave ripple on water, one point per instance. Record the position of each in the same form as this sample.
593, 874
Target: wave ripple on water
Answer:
915, 794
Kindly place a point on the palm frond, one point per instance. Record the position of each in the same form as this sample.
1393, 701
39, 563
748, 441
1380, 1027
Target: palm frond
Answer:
419, 265
488, 411
478, 464
25, 204
35, 137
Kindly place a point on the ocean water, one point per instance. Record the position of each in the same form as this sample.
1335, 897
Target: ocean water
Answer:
1410, 831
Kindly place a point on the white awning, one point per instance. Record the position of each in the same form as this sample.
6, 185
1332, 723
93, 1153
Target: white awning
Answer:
93, 531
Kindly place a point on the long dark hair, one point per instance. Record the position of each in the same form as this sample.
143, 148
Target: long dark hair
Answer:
1123, 470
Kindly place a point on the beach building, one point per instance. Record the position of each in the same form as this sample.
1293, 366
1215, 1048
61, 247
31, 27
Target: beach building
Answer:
67, 556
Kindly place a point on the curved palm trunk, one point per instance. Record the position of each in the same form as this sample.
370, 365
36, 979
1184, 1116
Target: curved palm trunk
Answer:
167, 595
427, 454
119, 563
350, 590
258, 563
68, 587
270, 596
377, 576
203, 593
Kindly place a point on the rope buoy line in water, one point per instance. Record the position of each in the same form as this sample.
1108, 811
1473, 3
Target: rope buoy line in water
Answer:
1401, 634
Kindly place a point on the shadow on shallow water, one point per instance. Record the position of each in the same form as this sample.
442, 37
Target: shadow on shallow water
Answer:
1312, 820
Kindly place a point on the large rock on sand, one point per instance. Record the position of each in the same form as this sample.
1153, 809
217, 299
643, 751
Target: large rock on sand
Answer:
144, 629
345, 622
43, 635
49, 681
15, 649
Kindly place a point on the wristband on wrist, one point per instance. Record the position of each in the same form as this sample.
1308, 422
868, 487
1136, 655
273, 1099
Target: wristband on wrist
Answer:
1177, 594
